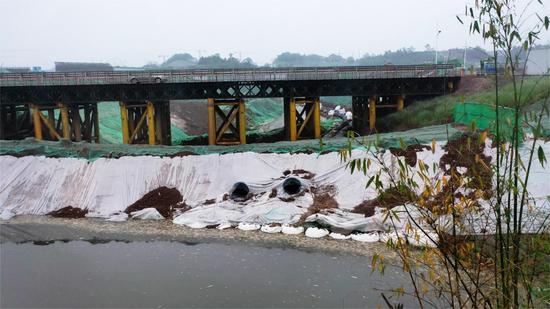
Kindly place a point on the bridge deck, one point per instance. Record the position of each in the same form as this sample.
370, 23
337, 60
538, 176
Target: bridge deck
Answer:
229, 75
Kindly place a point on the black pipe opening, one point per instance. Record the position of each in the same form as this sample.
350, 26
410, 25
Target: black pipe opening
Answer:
240, 191
292, 186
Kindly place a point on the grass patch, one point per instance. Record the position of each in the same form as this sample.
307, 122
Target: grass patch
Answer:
440, 110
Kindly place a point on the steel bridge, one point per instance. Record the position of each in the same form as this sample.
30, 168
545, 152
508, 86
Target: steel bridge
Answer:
144, 98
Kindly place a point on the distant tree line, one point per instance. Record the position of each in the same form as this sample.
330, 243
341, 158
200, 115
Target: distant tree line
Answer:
403, 56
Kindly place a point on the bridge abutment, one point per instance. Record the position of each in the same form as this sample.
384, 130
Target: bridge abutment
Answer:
302, 118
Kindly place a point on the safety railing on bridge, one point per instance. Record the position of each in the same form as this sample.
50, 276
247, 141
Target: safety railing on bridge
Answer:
227, 75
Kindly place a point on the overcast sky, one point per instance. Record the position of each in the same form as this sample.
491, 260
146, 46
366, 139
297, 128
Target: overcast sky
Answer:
134, 32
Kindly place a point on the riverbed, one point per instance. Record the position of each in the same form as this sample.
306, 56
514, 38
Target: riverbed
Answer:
67, 263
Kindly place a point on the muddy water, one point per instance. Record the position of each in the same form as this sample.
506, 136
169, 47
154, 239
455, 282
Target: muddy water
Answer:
176, 274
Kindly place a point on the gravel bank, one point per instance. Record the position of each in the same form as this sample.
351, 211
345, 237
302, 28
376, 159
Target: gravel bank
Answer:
43, 229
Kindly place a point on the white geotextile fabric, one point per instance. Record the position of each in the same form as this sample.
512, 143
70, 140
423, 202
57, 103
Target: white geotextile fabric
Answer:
147, 214
38, 185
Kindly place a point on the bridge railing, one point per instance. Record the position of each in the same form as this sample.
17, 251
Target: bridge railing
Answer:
228, 75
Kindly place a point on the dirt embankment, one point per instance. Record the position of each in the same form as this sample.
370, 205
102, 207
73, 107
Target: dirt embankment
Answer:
323, 198
191, 116
69, 212
467, 152
467, 167
474, 84
388, 199
164, 200
409, 153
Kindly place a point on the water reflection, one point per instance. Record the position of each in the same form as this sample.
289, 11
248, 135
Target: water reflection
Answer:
103, 273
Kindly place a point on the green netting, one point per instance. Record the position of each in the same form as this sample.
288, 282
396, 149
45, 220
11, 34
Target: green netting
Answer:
532, 113
342, 100
110, 126
483, 116
261, 112
264, 116
94, 151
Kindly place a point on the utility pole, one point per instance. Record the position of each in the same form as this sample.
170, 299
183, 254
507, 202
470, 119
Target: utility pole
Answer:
436, 44
465, 49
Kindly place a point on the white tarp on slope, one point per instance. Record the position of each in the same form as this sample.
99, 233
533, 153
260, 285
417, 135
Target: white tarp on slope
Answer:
38, 185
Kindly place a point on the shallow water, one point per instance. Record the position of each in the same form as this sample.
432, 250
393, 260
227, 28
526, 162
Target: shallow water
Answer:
175, 274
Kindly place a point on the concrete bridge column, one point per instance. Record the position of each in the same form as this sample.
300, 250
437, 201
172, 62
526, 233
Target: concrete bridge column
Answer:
15, 122
145, 123
226, 121
302, 118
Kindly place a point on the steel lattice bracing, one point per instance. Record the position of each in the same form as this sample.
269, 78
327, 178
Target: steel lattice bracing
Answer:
15, 122
145, 113
85, 87
145, 123
302, 118
226, 122
219, 90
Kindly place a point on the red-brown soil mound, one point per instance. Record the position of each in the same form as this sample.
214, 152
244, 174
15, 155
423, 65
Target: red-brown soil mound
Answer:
164, 200
69, 212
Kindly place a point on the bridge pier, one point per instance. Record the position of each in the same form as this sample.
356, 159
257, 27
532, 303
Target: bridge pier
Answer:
15, 122
363, 114
145, 123
302, 117
366, 109
67, 124
230, 114
86, 129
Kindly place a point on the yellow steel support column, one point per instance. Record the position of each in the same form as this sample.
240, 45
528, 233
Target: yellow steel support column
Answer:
151, 122
37, 122
232, 126
292, 123
317, 117
96, 122
242, 122
211, 122
64, 112
400, 103
372, 113
124, 122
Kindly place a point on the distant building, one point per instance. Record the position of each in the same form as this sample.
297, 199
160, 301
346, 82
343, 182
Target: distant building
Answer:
127, 69
539, 61
82, 67
15, 69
